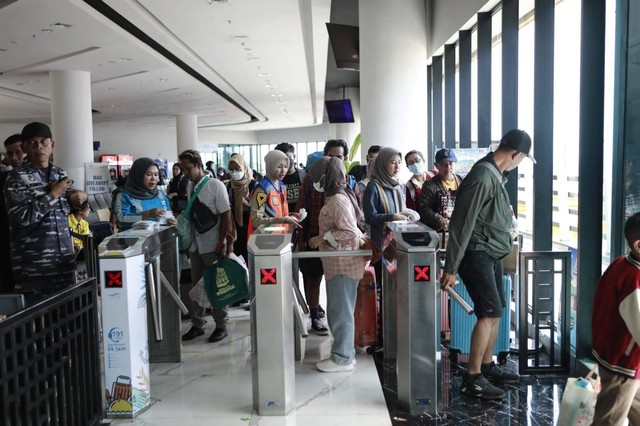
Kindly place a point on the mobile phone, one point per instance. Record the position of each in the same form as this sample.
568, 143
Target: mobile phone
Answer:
64, 177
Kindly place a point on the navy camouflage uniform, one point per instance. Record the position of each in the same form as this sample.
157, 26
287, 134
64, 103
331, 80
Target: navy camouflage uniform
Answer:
41, 246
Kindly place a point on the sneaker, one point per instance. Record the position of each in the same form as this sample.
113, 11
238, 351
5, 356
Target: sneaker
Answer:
321, 311
192, 334
318, 327
480, 388
498, 375
218, 334
329, 366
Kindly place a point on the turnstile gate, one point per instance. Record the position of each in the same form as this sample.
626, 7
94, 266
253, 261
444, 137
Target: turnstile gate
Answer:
411, 314
272, 319
138, 282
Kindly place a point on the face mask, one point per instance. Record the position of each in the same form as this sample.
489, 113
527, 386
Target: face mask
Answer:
416, 168
317, 187
237, 174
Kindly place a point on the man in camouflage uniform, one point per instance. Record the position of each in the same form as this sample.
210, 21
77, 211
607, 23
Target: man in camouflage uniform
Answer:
35, 195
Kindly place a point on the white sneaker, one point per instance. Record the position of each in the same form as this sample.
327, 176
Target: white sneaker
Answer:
329, 366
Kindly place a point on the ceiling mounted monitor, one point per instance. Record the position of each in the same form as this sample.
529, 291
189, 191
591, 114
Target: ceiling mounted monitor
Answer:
345, 43
339, 111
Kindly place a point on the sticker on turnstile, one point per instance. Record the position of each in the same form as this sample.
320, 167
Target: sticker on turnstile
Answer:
268, 276
113, 279
423, 401
422, 273
271, 404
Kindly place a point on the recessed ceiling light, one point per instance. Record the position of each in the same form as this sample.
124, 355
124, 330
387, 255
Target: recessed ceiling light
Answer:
239, 37
251, 58
264, 74
47, 30
163, 80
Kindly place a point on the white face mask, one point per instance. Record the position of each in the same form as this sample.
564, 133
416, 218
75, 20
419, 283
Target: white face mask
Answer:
237, 174
416, 168
317, 187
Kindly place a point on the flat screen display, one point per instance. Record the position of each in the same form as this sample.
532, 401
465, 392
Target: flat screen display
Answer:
339, 111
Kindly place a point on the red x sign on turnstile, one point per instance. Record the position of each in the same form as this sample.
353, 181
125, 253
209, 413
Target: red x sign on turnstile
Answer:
421, 273
113, 279
268, 276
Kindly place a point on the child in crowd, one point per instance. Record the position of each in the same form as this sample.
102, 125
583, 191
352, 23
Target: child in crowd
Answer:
615, 333
79, 225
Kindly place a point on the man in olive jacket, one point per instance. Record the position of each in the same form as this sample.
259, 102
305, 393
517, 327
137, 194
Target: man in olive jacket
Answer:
479, 237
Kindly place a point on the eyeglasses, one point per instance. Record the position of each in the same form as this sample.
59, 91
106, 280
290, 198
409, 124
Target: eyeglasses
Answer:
33, 143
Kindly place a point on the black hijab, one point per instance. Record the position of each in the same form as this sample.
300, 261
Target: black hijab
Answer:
135, 181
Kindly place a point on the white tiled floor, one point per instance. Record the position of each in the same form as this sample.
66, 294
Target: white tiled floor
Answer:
212, 386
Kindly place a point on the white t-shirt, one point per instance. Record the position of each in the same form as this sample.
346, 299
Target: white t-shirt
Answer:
213, 195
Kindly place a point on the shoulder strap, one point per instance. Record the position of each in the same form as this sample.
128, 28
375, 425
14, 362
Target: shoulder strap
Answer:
195, 195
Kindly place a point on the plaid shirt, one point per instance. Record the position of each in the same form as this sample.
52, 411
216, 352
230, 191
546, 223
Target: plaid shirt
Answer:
339, 217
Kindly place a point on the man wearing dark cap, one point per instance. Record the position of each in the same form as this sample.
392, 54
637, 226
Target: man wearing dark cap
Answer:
35, 193
438, 196
479, 237
13, 148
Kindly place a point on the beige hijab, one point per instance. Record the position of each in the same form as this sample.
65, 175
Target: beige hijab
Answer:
240, 187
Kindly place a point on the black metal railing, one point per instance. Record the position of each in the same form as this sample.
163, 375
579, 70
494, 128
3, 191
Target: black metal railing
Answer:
50, 361
545, 291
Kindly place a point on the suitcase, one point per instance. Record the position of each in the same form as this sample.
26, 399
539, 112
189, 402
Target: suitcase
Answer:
462, 324
366, 310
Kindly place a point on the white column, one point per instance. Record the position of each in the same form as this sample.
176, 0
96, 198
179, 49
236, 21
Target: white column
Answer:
71, 122
393, 74
187, 132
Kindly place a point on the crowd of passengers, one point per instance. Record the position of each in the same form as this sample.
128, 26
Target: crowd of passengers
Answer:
330, 208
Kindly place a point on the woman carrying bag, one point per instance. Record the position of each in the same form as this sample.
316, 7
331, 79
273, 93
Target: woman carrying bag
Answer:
210, 215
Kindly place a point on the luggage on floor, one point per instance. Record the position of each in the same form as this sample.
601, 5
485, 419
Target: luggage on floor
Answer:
462, 323
366, 310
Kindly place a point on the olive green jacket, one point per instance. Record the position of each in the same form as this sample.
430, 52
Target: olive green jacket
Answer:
482, 217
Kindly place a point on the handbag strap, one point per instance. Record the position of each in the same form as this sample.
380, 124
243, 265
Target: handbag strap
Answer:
194, 196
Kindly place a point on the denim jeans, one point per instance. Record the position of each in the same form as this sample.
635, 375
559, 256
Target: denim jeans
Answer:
341, 302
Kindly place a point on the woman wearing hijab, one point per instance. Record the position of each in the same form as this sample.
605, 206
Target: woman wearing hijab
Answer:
338, 230
239, 188
269, 197
140, 198
177, 190
383, 199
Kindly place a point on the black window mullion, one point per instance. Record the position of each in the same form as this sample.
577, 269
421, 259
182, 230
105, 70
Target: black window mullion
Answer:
465, 88
484, 79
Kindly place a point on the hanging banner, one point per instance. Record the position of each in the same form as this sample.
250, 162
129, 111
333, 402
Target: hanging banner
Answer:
97, 177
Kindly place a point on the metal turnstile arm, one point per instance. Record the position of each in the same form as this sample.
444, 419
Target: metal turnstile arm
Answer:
153, 299
173, 294
455, 296
330, 253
